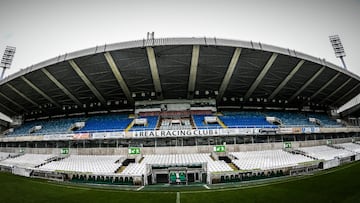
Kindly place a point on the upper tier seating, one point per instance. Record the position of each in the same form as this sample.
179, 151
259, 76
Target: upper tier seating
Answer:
180, 124
60, 125
200, 123
110, 122
350, 147
245, 120
290, 119
106, 164
27, 160
267, 159
325, 120
151, 124
325, 152
176, 159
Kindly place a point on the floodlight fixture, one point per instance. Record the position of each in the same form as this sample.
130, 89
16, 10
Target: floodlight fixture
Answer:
7, 59
338, 48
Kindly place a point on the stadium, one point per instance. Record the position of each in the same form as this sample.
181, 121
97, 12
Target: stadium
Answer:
178, 111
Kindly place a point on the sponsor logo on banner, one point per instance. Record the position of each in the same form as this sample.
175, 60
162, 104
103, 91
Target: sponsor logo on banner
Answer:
245, 131
106, 135
176, 133
229, 131
310, 130
286, 130
81, 136
59, 137
296, 130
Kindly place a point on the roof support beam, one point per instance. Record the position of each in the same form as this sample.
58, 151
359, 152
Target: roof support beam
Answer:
307, 84
154, 71
61, 87
261, 75
12, 101
22, 95
337, 89
193, 70
118, 76
40, 91
286, 80
324, 86
87, 81
346, 94
7, 109
229, 73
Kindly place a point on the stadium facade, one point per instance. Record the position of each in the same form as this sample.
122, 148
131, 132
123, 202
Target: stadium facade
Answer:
198, 99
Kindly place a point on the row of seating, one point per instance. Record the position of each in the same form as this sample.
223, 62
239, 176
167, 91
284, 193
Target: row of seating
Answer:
246, 120
119, 122
107, 164
112, 122
5, 155
267, 159
168, 124
350, 147
200, 123
325, 152
176, 159
151, 124
27, 160
325, 120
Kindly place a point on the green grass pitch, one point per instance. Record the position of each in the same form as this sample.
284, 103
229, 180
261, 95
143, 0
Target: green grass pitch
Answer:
337, 185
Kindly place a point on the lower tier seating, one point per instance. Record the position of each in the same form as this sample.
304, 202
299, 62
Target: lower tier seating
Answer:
27, 160
176, 159
106, 164
267, 159
325, 152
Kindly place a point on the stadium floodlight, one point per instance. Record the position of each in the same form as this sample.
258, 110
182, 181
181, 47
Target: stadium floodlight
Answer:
338, 48
7, 59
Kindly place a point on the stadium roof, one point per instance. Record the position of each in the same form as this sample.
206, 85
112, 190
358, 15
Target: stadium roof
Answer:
235, 73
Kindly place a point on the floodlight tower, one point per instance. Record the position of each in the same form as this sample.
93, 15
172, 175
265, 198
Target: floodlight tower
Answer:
338, 48
7, 59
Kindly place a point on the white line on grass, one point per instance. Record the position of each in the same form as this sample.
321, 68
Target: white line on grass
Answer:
178, 197
207, 187
140, 188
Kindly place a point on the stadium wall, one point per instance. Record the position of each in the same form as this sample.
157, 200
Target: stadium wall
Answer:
178, 150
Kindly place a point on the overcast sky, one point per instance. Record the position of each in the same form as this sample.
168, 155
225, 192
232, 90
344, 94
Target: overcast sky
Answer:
42, 29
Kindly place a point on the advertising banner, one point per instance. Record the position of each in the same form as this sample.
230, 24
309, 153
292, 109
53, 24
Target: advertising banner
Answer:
79, 136
176, 133
59, 137
108, 135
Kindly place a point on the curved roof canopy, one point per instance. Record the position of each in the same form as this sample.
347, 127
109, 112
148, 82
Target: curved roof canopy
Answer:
235, 73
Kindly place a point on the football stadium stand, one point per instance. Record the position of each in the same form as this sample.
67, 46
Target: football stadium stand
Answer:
290, 119
151, 122
267, 159
60, 125
106, 123
176, 159
27, 160
200, 123
350, 147
325, 152
178, 110
325, 120
5, 155
107, 164
246, 120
